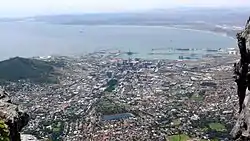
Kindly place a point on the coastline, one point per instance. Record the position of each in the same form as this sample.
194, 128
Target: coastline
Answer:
205, 31
143, 25
170, 27
153, 27
162, 26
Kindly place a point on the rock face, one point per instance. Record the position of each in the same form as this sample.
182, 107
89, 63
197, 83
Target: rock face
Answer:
12, 116
241, 130
25, 137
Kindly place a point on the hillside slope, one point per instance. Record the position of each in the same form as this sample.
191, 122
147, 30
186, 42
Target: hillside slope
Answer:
18, 68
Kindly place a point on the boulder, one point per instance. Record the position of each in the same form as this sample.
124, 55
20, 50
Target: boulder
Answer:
13, 117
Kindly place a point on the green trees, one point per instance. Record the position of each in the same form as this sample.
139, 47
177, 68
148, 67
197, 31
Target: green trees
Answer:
4, 132
108, 107
111, 85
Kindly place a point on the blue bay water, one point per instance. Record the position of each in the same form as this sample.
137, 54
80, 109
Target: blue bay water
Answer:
28, 39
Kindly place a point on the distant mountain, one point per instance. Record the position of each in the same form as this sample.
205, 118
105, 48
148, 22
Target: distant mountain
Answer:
34, 70
183, 15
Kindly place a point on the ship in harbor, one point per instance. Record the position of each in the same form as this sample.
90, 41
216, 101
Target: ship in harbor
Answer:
212, 50
182, 49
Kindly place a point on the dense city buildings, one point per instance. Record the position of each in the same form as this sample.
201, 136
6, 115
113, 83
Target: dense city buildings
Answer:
102, 97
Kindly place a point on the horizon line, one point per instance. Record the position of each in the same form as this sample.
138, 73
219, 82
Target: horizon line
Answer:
123, 11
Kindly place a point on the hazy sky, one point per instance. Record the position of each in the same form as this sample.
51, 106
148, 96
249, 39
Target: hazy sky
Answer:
36, 7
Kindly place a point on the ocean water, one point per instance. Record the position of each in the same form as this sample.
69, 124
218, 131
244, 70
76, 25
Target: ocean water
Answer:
28, 39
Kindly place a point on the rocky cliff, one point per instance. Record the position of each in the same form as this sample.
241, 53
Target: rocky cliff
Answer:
13, 117
241, 130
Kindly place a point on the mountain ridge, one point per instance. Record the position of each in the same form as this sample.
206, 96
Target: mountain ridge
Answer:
17, 68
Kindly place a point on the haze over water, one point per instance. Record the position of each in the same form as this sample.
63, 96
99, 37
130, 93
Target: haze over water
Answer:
29, 39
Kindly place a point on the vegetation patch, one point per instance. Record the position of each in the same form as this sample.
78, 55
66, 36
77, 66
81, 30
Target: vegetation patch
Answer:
16, 69
108, 107
205, 129
217, 127
176, 122
197, 97
4, 132
180, 137
111, 85
213, 127
209, 140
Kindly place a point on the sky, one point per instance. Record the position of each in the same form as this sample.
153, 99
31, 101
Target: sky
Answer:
18, 8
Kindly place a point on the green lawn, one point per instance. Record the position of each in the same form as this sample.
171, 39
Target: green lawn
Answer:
183, 137
217, 127
180, 137
177, 122
197, 97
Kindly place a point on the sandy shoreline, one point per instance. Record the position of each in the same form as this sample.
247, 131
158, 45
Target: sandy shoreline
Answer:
205, 31
174, 27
